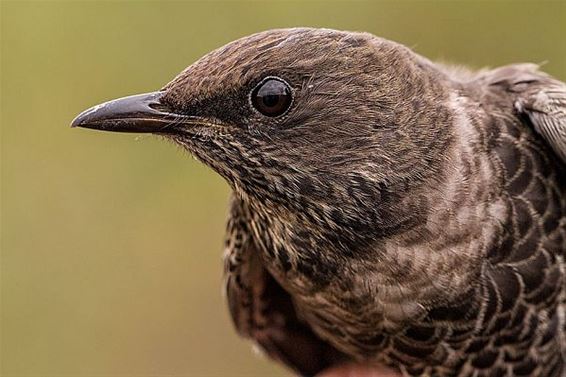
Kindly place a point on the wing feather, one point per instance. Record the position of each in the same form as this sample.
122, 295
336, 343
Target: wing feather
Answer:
539, 97
262, 310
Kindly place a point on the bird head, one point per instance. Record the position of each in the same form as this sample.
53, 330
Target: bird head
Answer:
337, 128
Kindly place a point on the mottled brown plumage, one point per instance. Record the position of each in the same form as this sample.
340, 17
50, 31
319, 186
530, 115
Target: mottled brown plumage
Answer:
398, 212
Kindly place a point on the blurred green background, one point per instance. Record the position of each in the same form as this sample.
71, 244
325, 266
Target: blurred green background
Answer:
111, 243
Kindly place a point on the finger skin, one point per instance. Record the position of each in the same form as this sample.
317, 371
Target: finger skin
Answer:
357, 370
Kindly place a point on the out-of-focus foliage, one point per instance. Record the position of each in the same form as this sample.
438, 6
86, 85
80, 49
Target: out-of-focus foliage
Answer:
111, 243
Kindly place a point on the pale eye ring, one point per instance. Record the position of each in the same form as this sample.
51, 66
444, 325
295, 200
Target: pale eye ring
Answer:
272, 97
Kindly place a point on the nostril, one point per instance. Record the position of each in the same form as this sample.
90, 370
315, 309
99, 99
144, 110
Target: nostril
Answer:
160, 107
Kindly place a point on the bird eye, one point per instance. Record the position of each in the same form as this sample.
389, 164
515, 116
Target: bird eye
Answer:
272, 97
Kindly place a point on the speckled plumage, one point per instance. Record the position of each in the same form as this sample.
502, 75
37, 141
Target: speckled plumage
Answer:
401, 212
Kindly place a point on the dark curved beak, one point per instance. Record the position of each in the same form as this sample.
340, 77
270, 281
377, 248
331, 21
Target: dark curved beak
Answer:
139, 113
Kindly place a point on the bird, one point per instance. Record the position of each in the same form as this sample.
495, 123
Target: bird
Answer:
385, 209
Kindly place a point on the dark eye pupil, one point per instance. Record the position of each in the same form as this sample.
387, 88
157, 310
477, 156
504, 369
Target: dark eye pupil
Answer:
271, 100
272, 97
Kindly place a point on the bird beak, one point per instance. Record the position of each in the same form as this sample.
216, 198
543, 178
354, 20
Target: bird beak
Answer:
139, 113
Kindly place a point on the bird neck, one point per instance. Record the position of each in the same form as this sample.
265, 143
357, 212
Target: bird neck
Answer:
403, 247
443, 255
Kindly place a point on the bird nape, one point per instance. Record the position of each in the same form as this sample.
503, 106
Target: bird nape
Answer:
385, 209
